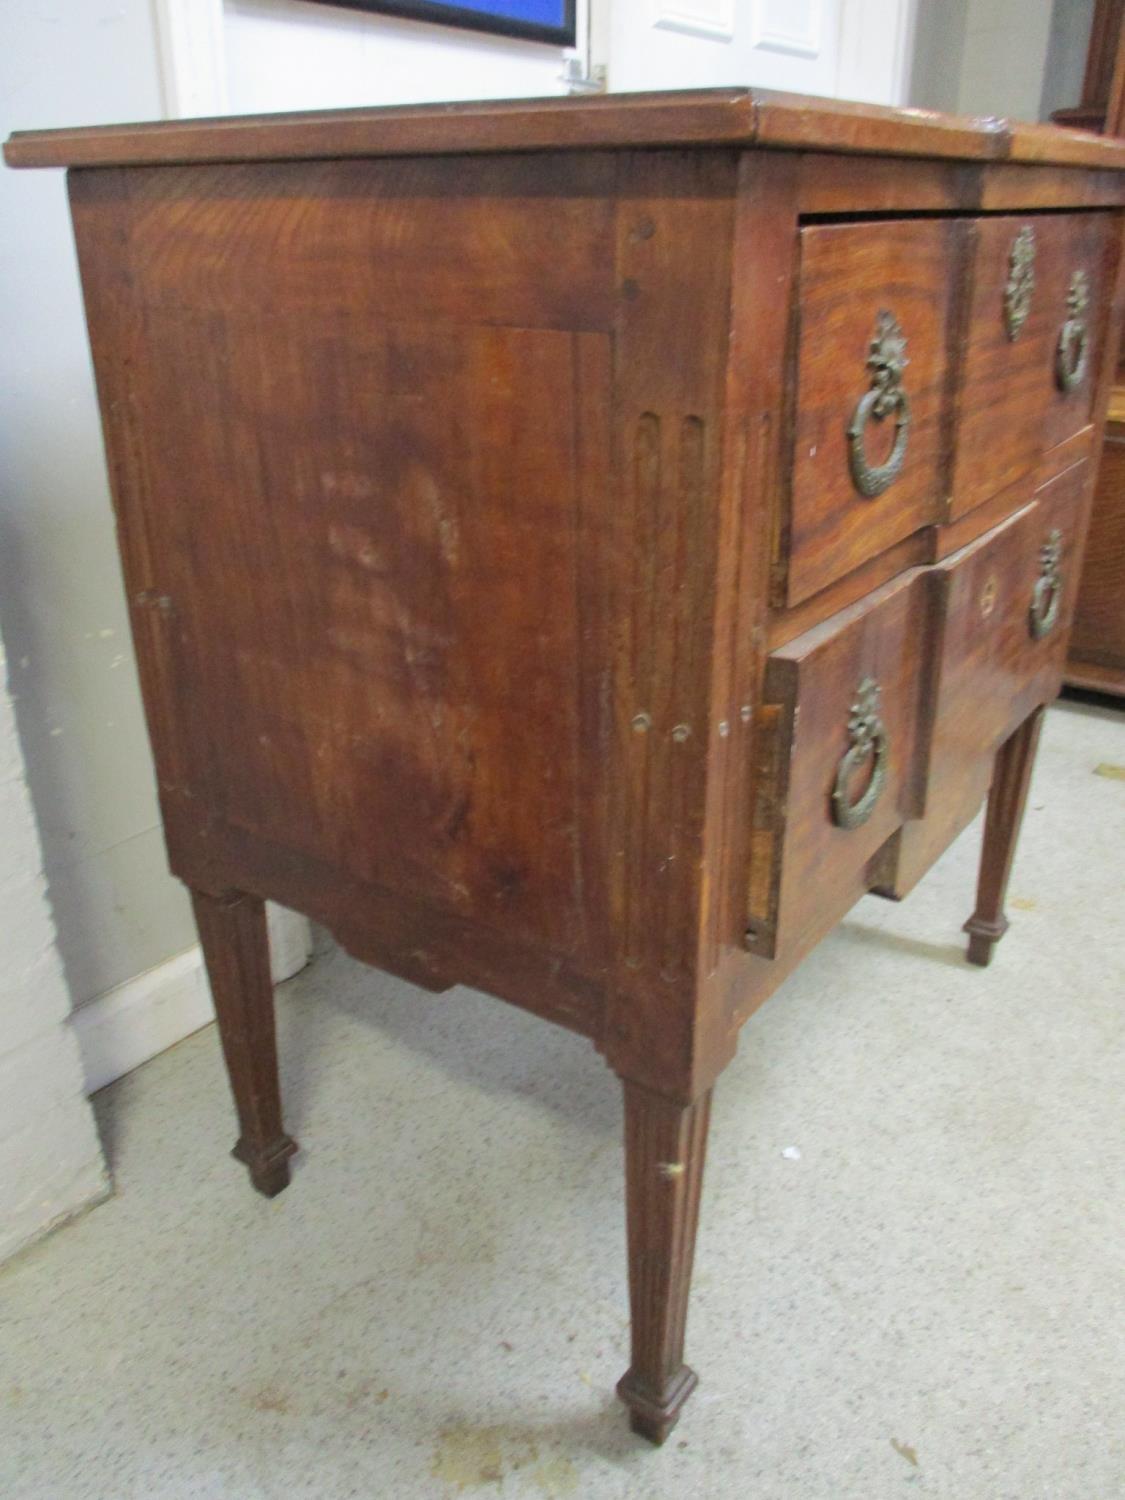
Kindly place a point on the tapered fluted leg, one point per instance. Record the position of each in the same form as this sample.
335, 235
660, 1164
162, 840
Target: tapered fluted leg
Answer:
232, 930
665, 1144
1006, 800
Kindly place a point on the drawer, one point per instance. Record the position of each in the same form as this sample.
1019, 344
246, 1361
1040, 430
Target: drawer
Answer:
836, 763
1003, 607
1011, 402
873, 361
1076, 285
1008, 601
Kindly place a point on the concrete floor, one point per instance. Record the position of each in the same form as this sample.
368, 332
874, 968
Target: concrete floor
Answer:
929, 1299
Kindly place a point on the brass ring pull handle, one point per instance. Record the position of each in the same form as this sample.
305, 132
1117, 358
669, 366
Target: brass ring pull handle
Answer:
1073, 348
886, 361
869, 740
1046, 597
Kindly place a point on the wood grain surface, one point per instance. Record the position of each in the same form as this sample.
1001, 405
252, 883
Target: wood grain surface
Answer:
988, 672
1007, 798
850, 273
232, 932
697, 117
1006, 384
1097, 651
665, 1147
806, 870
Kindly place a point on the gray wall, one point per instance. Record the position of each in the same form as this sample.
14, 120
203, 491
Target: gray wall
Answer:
981, 57
939, 45
50, 1160
117, 911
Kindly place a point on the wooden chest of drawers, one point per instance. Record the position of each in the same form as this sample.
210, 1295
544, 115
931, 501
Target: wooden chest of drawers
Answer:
577, 548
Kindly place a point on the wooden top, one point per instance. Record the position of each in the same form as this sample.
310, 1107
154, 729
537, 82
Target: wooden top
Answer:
702, 117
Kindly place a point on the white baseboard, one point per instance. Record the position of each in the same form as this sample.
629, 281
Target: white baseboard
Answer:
290, 941
126, 1026
123, 1028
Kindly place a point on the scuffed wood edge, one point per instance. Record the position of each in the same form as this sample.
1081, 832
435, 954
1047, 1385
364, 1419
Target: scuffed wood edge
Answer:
691, 118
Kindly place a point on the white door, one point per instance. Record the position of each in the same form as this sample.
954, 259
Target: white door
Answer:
852, 49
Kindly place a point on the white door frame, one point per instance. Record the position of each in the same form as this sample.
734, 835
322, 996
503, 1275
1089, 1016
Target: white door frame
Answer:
863, 25
192, 52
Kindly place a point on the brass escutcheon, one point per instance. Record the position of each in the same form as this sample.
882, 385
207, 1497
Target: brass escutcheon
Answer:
868, 736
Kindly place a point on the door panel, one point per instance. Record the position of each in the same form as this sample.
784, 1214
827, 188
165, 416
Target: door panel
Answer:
851, 49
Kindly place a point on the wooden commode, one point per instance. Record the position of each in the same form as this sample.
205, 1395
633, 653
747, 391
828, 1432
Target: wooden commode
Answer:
576, 548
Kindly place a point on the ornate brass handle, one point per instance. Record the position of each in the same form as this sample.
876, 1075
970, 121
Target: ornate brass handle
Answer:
869, 739
886, 361
1046, 597
1073, 348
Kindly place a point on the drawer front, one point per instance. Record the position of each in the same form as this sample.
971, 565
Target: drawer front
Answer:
1004, 606
1007, 358
1009, 602
836, 771
1036, 305
872, 369
1077, 283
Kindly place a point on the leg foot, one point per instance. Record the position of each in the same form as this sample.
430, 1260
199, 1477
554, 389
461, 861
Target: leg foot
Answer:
1007, 798
665, 1145
269, 1169
983, 937
652, 1415
232, 930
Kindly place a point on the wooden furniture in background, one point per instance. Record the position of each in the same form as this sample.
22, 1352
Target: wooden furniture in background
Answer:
577, 548
1097, 653
1102, 82
1097, 647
